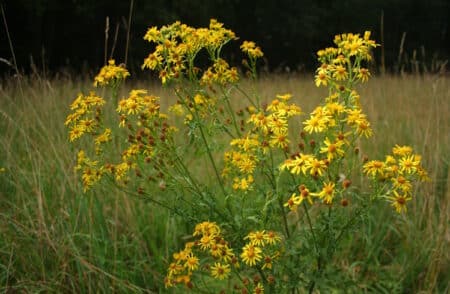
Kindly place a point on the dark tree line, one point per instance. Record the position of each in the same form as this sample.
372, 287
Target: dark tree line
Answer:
70, 34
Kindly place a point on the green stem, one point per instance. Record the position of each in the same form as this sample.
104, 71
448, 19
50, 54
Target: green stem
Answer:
195, 187
319, 257
246, 96
211, 159
285, 223
280, 198
357, 214
230, 111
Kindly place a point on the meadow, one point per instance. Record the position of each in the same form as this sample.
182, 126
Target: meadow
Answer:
54, 237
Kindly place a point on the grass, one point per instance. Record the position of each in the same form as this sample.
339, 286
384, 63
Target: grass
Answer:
55, 238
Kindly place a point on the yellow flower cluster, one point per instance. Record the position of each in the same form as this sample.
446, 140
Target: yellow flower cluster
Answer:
269, 130
339, 122
111, 75
102, 139
273, 123
200, 104
250, 48
220, 73
178, 44
85, 116
91, 173
342, 64
139, 103
149, 133
295, 200
140, 114
259, 153
210, 241
261, 247
398, 171
243, 160
261, 250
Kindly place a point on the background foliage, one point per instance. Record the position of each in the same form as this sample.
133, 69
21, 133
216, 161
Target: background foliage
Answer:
53, 34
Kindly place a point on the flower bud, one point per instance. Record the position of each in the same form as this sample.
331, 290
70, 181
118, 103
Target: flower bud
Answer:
344, 202
346, 183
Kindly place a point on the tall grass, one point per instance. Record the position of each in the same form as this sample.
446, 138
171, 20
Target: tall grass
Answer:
55, 238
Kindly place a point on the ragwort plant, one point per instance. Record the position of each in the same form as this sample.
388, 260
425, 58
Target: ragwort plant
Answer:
275, 197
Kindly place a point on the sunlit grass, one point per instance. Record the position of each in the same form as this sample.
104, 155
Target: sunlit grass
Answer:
53, 237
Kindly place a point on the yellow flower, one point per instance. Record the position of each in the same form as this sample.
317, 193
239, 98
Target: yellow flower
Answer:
259, 289
251, 254
340, 73
220, 271
153, 61
316, 167
319, 120
362, 73
304, 194
279, 140
185, 279
174, 269
399, 201
298, 164
363, 128
226, 254
333, 150
284, 97
206, 228
206, 242
152, 34
192, 262
277, 124
267, 262
247, 45
110, 74
315, 124
215, 250
257, 238
121, 170
293, 202
182, 255
260, 121
402, 150
341, 60
76, 132
272, 237
104, 137
177, 109
243, 184
374, 167
327, 193
321, 79
335, 108
91, 176
247, 164
409, 164
402, 183
249, 143
354, 116
423, 174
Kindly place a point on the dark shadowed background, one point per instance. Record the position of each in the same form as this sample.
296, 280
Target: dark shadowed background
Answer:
69, 35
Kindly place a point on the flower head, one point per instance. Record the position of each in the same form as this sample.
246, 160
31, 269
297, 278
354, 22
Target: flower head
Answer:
398, 201
251, 254
220, 271
111, 74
